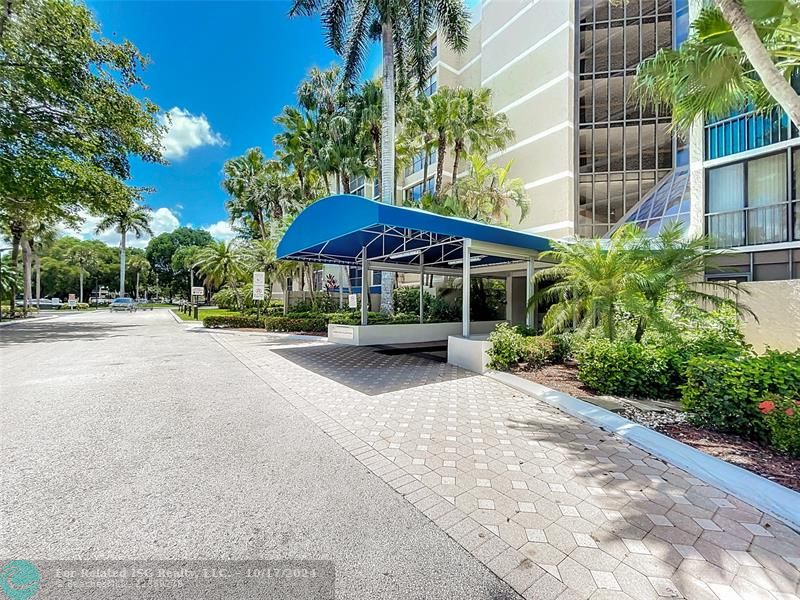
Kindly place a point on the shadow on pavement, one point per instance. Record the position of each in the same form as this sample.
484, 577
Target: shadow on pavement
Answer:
368, 371
50, 331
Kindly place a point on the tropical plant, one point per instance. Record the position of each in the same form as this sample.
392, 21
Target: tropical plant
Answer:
132, 218
86, 258
588, 284
474, 126
483, 195
405, 29
244, 183
740, 54
223, 263
139, 265
418, 133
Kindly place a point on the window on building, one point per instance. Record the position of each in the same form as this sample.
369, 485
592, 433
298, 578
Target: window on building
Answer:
358, 186
418, 162
766, 199
415, 192
431, 85
434, 47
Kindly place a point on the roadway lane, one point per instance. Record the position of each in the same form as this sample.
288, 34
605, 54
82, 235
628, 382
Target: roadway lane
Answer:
132, 437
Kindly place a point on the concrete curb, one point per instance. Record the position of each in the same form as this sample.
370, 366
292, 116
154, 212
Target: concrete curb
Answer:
766, 495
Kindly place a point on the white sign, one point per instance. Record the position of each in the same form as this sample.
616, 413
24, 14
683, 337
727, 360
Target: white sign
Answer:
341, 332
258, 278
258, 291
72, 301
198, 291
352, 300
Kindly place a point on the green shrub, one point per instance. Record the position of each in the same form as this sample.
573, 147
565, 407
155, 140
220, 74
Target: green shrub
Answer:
241, 321
441, 311
406, 300
511, 347
782, 417
302, 324
624, 368
723, 393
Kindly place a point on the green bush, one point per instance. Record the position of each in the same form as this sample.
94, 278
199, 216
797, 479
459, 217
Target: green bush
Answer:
511, 347
723, 393
406, 300
782, 417
240, 321
441, 311
290, 324
625, 368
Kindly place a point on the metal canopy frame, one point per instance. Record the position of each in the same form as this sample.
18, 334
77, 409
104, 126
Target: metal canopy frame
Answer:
353, 231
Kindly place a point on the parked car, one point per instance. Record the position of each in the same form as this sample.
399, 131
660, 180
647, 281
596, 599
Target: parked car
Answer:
126, 304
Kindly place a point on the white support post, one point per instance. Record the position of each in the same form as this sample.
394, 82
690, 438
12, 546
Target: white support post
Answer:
509, 298
530, 314
465, 291
341, 287
364, 286
421, 287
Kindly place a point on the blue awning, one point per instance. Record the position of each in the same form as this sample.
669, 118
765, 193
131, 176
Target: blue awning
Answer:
347, 229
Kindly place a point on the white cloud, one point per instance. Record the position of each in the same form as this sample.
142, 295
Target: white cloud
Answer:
162, 221
186, 132
221, 230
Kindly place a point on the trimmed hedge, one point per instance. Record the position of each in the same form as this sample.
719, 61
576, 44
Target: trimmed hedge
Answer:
300, 324
724, 393
511, 346
241, 321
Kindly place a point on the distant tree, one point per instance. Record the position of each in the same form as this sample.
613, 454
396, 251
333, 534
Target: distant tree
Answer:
130, 218
85, 257
223, 263
161, 249
139, 265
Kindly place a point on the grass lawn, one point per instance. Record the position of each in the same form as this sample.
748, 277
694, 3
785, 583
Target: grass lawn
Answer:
202, 313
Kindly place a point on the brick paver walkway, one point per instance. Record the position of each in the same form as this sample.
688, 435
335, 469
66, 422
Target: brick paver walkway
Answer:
556, 507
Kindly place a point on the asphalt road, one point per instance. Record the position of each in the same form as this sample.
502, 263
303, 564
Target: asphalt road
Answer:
129, 436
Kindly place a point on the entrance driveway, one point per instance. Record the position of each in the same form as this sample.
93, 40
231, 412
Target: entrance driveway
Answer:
555, 507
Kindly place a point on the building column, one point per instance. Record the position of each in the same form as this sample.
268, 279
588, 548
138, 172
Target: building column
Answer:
465, 290
364, 286
530, 312
509, 298
421, 287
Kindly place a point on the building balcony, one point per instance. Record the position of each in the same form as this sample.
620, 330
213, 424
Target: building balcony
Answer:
747, 131
755, 225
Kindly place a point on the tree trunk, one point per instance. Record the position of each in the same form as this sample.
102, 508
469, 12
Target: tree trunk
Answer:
777, 85
16, 241
459, 146
26, 275
376, 140
425, 164
260, 221
440, 149
345, 183
387, 146
137, 286
285, 296
38, 263
122, 244
80, 277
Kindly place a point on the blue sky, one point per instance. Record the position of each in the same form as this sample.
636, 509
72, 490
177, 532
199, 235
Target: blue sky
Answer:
222, 70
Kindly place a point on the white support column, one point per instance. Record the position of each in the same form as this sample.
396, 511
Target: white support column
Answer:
465, 290
509, 298
364, 286
530, 313
421, 287
341, 287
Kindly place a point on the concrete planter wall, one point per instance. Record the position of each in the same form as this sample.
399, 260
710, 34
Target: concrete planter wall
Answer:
374, 335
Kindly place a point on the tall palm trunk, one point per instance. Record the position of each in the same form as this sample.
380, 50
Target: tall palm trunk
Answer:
459, 147
137, 284
80, 289
387, 150
440, 149
426, 149
776, 84
122, 245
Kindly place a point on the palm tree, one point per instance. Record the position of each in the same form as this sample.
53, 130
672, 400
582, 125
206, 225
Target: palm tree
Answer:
130, 218
243, 183
418, 129
725, 66
589, 283
483, 195
443, 111
260, 256
405, 28
86, 258
222, 263
140, 265
671, 281
476, 127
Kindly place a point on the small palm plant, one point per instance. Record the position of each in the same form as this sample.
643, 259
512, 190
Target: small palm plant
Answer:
223, 263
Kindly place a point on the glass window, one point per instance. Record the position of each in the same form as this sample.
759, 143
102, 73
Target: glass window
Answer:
796, 194
648, 146
616, 152
766, 194
600, 149
726, 188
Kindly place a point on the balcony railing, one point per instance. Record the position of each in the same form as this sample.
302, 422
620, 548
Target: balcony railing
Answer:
746, 132
755, 225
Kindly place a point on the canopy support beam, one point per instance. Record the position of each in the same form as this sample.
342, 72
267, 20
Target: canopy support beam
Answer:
365, 279
465, 288
421, 288
530, 311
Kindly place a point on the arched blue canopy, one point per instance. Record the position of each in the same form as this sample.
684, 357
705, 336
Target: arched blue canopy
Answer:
346, 229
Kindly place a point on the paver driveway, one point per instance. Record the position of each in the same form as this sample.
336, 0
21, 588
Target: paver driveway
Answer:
557, 508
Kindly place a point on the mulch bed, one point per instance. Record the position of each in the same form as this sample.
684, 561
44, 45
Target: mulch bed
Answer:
749, 455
